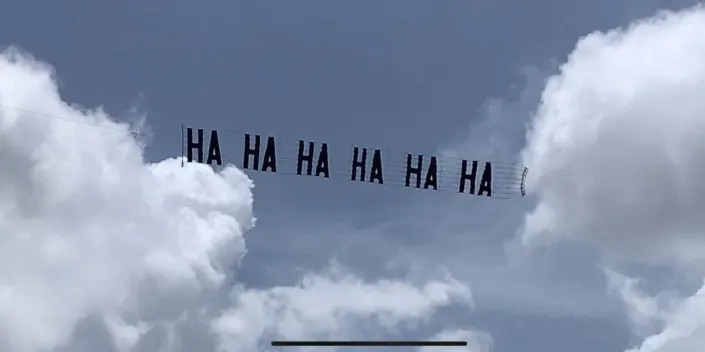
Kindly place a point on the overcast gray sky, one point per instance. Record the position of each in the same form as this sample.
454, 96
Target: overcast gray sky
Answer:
455, 76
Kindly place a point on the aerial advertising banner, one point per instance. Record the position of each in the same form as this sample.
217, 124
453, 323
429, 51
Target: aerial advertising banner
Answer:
354, 163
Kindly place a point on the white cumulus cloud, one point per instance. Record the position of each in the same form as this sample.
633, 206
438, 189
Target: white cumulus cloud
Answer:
616, 156
684, 331
104, 251
323, 306
477, 341
615, 149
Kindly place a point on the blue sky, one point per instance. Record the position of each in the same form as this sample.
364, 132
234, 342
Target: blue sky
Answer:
405, 75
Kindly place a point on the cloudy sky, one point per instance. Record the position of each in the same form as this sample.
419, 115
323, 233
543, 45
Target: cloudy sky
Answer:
108, 244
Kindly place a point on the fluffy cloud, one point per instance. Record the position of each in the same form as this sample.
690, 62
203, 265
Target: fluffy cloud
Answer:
477, 341
101, 250
681, 321
615, 149
86, 221
684, 330
616, 157
645, 313
323, 306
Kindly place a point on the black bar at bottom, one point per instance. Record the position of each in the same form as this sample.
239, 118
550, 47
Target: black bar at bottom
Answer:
368, 343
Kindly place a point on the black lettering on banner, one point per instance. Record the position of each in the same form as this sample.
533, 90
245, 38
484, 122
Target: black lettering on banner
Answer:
486, 181
376, 171
322, 165
431, 179
191, 145
468, 183
254, 152
308, 158
464, 176
214, 149
414, 170
358, 164
431, 175
270, 156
